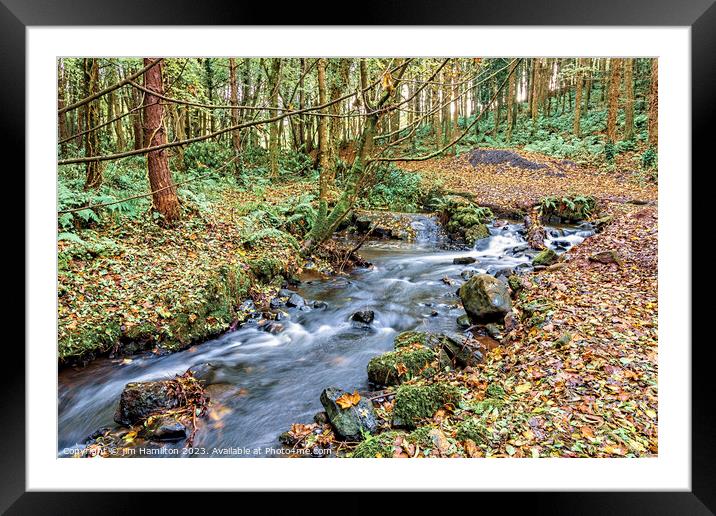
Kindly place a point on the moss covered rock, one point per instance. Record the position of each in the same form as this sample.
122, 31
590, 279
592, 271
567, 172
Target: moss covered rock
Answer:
546, 257
351, 422
485, 298
416, 402
139, 400
406, 362
465, 220
475, 233
449, 349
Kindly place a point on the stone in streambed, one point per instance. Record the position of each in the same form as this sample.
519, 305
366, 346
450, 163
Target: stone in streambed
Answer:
468, 273
463, 321
352, 422
363, 316
165, 429
295, 300
464, 260
485, 299
475, 233
139, 400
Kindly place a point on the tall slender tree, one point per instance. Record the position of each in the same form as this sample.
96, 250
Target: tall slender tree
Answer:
654, 105
579, 80
629, 99
91, 82
613, 107
164, 194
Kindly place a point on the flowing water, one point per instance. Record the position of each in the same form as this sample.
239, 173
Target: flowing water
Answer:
261, 383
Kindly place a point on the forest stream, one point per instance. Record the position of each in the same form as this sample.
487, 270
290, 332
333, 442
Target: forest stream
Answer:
262, 382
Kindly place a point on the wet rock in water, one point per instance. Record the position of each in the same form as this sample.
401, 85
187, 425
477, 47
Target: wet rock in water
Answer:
463, 321
464, 260
320, 305
205, 373
561, 244
139, 400
519, 249
475, 233
468, 273
276, 303
352, 422
321, 418
284, 292
272, 327
485, 298
546, 257
295, 300
165, 429
363, 316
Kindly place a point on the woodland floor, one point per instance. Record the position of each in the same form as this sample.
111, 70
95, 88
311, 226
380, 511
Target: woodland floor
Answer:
154, 273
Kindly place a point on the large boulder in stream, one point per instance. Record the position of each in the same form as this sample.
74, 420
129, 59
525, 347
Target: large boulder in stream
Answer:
485, 298
351, 422
140, 400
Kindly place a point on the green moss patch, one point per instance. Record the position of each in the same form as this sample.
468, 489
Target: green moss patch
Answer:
376, 446
408, 361
414, 403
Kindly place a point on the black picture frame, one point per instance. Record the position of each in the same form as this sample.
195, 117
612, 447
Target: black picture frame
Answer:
700, 15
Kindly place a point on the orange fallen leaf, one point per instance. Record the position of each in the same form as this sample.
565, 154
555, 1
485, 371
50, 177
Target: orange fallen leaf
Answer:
348, 400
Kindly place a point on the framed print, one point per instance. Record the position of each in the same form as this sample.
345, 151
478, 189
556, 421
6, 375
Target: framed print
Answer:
285, 258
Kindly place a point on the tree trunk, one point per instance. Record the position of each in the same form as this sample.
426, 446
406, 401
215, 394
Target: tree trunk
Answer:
511, 99
588, 93
91, 83
578, 101
274, 143
164, 194
137, 121
323, 144
61, 119
654, 105
337, 88
235, 117
629, 100
614, 84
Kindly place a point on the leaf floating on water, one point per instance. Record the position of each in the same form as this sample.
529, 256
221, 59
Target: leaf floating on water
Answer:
348, 400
